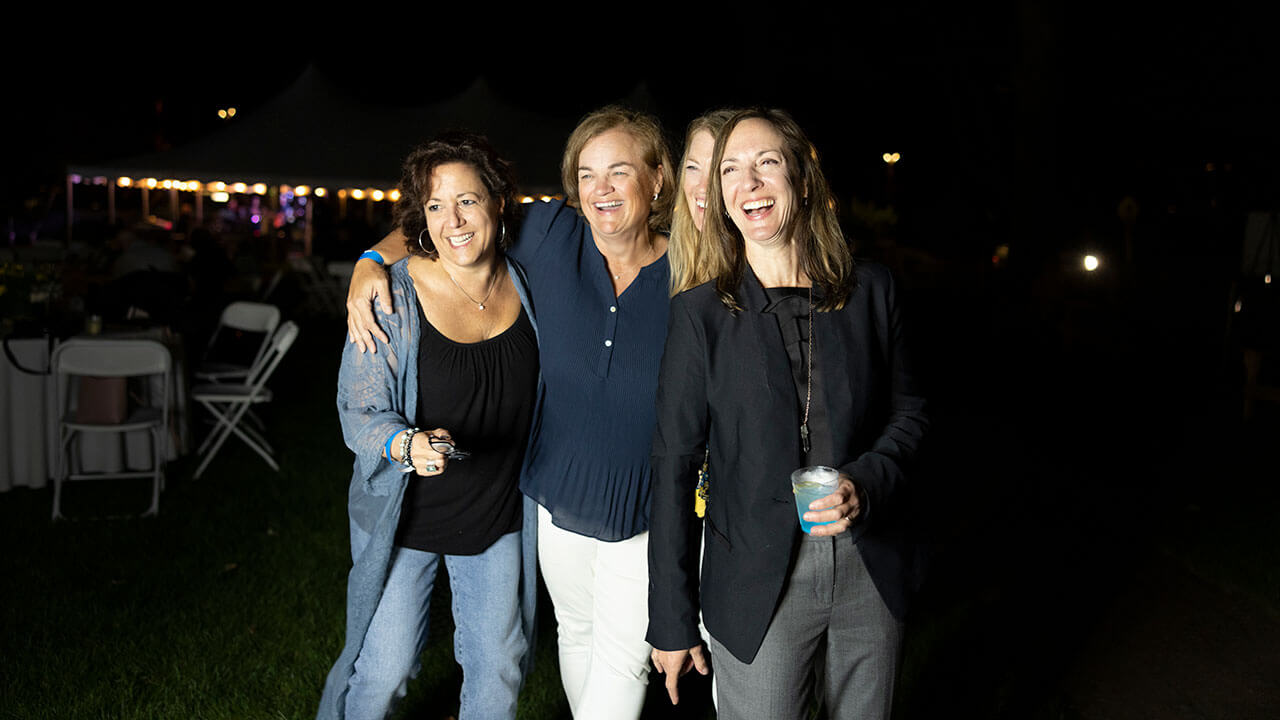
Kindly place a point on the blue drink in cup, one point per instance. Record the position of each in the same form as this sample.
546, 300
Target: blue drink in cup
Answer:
812, 483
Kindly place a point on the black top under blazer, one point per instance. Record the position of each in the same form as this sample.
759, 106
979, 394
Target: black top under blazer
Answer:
726, 385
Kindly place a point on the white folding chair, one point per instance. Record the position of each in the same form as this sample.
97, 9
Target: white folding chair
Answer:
240, 316
229, 403
99, 359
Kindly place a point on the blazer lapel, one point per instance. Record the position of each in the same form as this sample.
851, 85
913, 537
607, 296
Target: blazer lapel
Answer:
779, 405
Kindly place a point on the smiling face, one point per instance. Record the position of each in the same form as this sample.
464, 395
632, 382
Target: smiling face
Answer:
695, 173
756, 182
615, 185
462, 217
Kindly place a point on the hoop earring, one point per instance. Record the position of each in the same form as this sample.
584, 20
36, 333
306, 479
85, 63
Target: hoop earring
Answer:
424, 247
502, 238
655, 197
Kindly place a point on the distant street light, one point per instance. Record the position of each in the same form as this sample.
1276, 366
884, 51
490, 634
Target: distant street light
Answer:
890, 159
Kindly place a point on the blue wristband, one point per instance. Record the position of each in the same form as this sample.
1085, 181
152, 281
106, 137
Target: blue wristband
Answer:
387, 449
371, 255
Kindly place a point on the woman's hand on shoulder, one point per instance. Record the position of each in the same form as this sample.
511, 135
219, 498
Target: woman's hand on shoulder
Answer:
368, 282
842, 508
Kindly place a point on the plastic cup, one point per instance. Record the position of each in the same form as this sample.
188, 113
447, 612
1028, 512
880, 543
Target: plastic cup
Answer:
812, 483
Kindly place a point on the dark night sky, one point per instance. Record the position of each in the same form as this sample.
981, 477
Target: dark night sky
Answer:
1084, 104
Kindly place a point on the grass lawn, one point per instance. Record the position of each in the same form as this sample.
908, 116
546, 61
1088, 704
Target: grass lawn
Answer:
230, 604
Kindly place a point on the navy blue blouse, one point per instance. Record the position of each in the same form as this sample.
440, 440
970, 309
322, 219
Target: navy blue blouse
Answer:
588, 458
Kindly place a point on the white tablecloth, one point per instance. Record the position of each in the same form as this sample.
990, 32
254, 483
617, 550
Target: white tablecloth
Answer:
28, 439
116, 452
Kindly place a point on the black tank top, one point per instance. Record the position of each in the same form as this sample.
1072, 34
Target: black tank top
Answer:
483, 393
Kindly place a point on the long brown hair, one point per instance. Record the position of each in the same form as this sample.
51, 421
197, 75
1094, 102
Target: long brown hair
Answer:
821, 248
684, 252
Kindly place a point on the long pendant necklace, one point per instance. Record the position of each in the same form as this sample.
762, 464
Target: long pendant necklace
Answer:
479, 303
808, 392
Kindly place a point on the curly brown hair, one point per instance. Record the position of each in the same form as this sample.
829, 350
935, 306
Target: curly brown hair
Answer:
448, 147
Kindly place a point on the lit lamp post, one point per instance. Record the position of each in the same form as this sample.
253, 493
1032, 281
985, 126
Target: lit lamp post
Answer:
890, 159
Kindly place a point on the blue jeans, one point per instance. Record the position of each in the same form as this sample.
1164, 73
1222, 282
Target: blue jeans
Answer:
488, 642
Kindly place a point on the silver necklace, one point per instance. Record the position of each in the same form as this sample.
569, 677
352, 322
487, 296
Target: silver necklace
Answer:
808, 393
641, 264
479, 303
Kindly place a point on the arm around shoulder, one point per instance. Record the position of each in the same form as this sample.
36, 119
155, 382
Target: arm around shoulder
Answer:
544, 225
369, 282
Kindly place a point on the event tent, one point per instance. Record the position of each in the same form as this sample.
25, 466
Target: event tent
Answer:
315, 134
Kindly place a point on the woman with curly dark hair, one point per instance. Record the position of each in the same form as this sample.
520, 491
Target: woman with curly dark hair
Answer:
459, 369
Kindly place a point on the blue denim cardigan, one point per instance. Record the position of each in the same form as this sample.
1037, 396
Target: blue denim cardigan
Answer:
377, 396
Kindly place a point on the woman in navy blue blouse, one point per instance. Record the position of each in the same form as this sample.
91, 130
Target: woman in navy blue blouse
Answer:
599, 280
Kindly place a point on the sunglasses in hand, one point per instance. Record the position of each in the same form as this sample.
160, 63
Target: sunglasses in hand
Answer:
445, 447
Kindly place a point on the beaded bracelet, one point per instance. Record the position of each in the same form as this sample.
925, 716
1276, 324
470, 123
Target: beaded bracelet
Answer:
406, 461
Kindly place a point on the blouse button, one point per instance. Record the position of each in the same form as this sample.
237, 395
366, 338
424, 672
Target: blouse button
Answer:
608, 343
613, 308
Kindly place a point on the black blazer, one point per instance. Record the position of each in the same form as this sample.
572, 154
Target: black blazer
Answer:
726, 385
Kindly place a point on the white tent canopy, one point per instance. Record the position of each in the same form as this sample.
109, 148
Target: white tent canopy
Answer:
316, 134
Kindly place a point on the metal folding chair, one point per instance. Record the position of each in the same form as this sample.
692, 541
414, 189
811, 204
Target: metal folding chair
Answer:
240, 316
102, 359
229, 403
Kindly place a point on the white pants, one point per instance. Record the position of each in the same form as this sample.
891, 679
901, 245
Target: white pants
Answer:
601, 595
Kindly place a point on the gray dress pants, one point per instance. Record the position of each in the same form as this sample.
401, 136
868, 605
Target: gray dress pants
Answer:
831, 634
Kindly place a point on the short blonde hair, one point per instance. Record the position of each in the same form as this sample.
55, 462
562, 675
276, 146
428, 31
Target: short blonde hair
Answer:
657, 157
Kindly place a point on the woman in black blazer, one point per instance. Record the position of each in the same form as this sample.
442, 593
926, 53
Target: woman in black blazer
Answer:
788, 613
